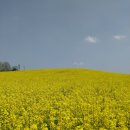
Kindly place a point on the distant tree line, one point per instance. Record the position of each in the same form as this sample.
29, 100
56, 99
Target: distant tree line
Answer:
5, 66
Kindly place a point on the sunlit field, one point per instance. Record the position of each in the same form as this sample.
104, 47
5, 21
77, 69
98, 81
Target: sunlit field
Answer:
64, 99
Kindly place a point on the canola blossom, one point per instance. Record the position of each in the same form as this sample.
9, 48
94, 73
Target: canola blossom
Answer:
64, 99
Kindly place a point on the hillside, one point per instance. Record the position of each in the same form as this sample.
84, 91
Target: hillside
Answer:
64, 99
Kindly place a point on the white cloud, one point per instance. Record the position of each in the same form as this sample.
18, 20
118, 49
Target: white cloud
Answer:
78, 63
119, 37
91, 39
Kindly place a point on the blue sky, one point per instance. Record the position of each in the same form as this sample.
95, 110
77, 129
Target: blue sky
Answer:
92, 34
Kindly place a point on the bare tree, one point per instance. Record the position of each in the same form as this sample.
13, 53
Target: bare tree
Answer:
5, 66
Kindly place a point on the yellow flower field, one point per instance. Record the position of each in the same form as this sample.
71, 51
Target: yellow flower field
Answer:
64, 99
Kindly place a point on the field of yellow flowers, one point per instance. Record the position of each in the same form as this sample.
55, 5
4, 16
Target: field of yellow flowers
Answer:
64, 99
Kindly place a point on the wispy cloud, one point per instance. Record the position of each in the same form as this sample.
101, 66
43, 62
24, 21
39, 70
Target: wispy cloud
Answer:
119, 37
91, 39
78, 64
